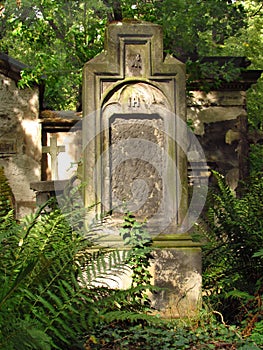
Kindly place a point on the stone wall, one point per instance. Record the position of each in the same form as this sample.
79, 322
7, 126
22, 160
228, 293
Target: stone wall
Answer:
20, 141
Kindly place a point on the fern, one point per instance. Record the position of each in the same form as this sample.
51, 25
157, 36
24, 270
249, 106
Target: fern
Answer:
24, 335
6, 196
54, 285
234, 234
122, 315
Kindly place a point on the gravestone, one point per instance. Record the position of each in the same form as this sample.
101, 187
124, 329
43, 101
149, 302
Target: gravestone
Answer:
53, 150
220, 122
61, 130
61, 148
134, 102
135, 144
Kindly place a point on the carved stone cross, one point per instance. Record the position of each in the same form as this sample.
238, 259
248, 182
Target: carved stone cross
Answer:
53, 150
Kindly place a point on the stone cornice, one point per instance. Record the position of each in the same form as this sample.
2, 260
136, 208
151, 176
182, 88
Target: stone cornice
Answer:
11, 67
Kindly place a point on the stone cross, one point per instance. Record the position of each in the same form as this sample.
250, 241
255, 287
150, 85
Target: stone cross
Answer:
53, 150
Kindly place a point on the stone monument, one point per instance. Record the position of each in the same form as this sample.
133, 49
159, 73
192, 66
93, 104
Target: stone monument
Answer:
133, 104
135, 145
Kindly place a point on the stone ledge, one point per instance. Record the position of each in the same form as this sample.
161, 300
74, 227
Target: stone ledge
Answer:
161, 241
49, 186
175, 240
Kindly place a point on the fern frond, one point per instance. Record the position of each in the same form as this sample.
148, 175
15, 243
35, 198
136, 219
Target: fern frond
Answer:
25, 335
122, 315
59, 335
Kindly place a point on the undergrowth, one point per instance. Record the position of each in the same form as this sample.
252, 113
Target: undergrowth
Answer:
232, 255
205, 332
49, 298
52, 295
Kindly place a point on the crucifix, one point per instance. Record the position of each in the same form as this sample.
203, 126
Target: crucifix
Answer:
53, 150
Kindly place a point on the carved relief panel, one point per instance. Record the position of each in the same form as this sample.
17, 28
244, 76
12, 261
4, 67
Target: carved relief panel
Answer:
135, 162
135, 60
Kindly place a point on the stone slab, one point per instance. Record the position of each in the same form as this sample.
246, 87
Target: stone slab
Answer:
49, 186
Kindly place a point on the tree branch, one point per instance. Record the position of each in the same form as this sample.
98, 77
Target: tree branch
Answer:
257, 12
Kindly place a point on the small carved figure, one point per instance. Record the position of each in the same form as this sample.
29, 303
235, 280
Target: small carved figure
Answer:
137, 62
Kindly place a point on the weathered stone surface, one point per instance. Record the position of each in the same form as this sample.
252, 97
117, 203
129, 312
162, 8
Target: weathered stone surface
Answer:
49, 186
202, 115
135, 145
46, 189
217, 98
219, 119
132, 100
20, 139
177, 272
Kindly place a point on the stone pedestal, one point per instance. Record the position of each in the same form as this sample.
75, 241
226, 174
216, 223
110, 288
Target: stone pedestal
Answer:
176, 274
47, 189
176, 270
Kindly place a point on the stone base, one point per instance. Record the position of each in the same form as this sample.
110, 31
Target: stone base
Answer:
177, 273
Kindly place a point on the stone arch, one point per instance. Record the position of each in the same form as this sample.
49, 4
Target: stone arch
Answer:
135, 167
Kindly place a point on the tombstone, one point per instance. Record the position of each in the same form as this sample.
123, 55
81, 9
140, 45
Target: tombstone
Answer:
61, 130
61, 148
220, 121
135, 145
54, 151
133, 103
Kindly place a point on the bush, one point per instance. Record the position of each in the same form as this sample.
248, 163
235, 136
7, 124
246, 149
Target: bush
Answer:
48, 298
232, 269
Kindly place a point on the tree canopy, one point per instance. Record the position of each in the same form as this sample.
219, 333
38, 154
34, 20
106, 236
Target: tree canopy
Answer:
56, 38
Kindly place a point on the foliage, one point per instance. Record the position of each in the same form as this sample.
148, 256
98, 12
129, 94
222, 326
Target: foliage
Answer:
249, 37
232, 265
256, 159
210, 74
56, 38
54, 284
48, 298
135, 236
254, 105
6, 196
52, 295
203, 333
257, 333
249, 44
150, 333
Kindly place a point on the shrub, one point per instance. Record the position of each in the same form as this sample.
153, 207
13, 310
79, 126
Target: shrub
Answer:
233, 234
48, 298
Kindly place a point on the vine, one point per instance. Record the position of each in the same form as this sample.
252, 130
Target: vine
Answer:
134, 235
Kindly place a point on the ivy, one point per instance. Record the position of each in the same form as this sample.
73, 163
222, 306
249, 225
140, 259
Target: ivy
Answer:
138, 239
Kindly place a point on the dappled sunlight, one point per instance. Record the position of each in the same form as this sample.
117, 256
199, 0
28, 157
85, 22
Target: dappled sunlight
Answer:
20, 139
